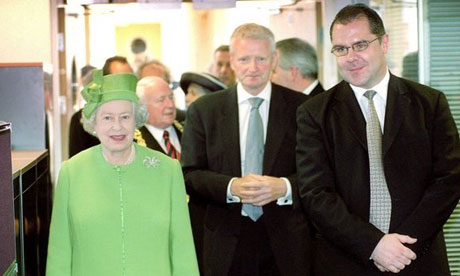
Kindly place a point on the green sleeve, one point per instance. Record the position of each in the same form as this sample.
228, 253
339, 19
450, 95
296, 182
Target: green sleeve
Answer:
182, 254
59, 247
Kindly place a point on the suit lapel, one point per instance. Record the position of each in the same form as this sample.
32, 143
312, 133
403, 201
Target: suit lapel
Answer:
397, 104
318, 89
349, 113
276, 129
150, 140
230, 131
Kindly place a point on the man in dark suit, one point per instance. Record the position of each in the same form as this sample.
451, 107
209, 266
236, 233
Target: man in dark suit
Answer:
161, 132
378, 201
297, 67
79, 139
268, 233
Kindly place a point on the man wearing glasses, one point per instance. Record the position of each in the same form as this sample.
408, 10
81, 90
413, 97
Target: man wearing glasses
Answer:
378, 161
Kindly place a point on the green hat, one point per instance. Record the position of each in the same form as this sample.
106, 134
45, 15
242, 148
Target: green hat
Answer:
108, 88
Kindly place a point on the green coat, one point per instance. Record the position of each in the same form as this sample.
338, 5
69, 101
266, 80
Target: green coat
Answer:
121, 220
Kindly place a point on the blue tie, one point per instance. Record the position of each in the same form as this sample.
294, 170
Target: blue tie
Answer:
254, 154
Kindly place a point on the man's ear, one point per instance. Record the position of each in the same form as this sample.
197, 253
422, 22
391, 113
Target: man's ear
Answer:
294, 72
385, 43
231, 62
276, 56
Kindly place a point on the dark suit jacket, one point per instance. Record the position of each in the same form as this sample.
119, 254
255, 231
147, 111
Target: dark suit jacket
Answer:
211, 157
180, 115
152, 143
79, 139
318, 89
421, 156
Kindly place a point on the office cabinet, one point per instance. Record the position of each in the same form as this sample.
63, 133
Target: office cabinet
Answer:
7, 221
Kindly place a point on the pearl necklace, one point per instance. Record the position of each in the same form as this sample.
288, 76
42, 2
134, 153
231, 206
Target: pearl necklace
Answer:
130, 159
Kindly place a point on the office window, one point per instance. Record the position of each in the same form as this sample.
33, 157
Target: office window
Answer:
443, 73
400, 20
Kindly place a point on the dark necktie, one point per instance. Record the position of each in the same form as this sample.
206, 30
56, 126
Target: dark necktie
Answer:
170, 150
380, 201
254, 153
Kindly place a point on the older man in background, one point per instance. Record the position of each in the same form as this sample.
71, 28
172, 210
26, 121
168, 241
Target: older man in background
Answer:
161, 132
297, 67
158, 69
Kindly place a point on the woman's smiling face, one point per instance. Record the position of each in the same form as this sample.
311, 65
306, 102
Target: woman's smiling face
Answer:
115, 125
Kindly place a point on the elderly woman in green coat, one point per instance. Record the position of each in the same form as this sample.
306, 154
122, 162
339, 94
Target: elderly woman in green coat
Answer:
119, 208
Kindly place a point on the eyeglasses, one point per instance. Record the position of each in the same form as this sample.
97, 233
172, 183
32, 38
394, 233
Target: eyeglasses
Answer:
340, 51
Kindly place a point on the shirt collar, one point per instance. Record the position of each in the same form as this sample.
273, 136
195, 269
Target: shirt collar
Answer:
157, 132
381, 88
244, 95
310, 88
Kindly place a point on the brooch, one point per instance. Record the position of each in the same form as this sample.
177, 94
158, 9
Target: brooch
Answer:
151, 162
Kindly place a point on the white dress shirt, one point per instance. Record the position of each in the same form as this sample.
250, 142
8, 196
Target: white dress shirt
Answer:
244, 111
310, 88
157, 133
380, 99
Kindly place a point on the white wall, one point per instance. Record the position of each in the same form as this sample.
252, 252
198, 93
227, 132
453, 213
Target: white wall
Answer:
25, 31
26, 36
189, 36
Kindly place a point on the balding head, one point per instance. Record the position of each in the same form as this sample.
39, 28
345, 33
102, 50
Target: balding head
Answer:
155, 93
116, 65
155, 68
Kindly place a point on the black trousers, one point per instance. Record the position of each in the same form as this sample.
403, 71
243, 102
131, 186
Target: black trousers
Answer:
253, 254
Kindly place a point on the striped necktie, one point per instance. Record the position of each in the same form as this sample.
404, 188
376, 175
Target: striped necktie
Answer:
170, 150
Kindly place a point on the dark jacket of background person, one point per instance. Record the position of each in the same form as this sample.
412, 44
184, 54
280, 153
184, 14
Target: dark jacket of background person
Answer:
79, 139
